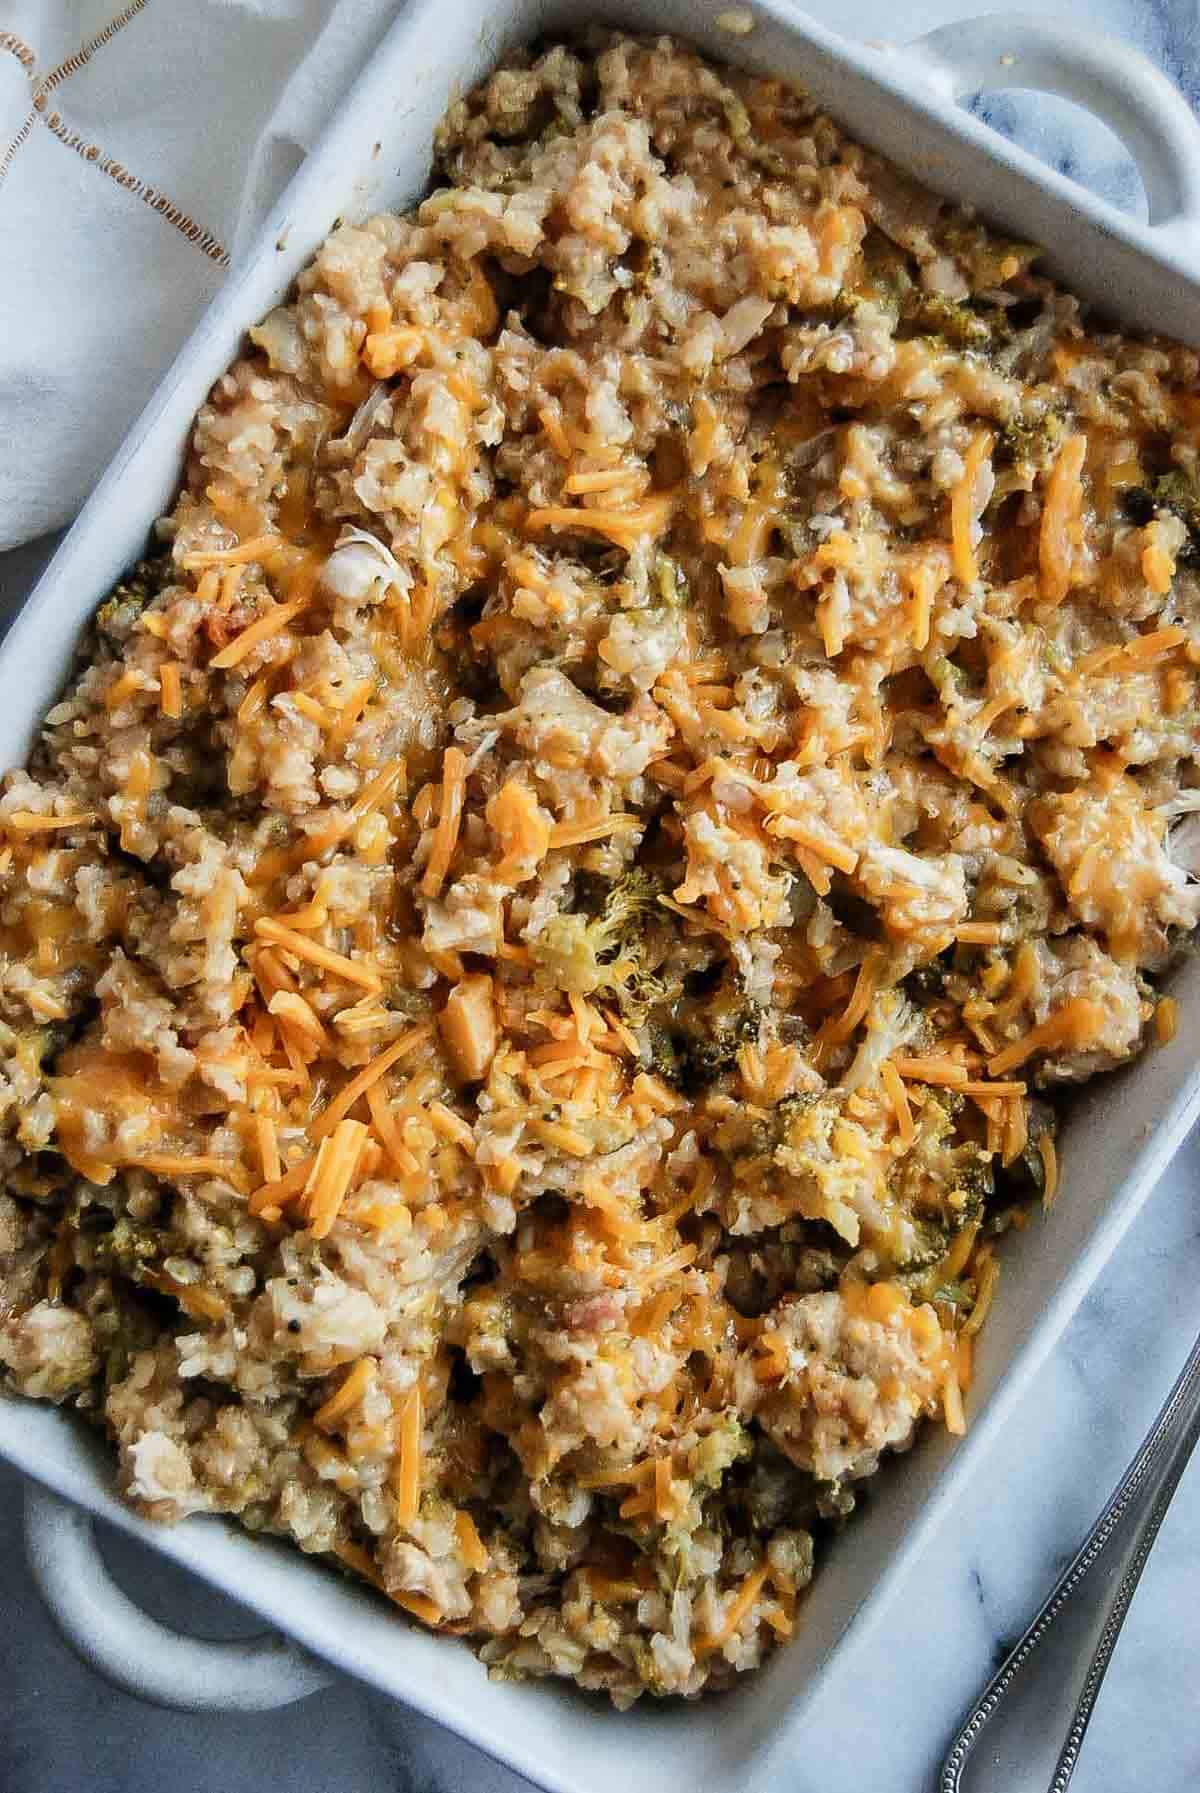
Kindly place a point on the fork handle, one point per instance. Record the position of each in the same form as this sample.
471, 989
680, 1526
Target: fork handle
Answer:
1047, 1685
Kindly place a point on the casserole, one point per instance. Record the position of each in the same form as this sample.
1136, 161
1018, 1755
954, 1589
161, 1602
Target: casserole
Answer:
677, 1734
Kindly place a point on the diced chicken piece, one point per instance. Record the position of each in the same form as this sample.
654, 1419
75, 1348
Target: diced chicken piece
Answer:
915, 893
159, 1477
1066, 975
468, 1024
862, 1368
1110, 853
466, 920
50, 1352
731, 873
554, 716
522, 827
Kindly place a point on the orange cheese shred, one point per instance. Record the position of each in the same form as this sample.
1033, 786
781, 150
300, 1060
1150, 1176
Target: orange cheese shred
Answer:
1166, 1020
445, 835
185, 1164
936, 1071
268, 1148
735, 1612
621, 527
346, 1397
474, 1551
331, 1174
284, 1189
962, 510
406, 1479
24, 821
1061, 533
302, 948
550, 419
897, 1095
1074, 1025
256, 548
272, 623
170, 689
358, 1085
579, 834
419, 1605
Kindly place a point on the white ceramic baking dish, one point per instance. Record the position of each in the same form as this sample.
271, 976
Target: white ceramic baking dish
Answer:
375, 154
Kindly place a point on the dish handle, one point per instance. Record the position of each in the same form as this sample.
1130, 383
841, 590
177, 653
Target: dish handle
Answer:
1107, 77
113, 1636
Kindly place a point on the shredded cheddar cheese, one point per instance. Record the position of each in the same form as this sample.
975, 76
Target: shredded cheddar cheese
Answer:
170, 689
272, 623
735, 1612
361, 1084
406, 1485
1072, 1025
302, 948
445, 834
963, 507
329, 1179
1062, 520
23, 821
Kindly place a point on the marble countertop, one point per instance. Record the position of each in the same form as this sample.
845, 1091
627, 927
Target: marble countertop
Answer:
954, 1612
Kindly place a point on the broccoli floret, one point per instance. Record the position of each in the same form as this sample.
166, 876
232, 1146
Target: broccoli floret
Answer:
1177, 492
576, 953
43, 1044
117, 615
930, 1243
973, 1182
885, 280
797, 536
747, 1132
927, 984
988, 261
631, 899
844, 307
702, 1057
725, 1445
662, 1055
1029, 440
702, 1061
930, 314
126, 1247
593, 952
670, 583
769, 1135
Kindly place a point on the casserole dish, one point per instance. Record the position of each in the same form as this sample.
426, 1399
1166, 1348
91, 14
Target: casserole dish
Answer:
676, 1741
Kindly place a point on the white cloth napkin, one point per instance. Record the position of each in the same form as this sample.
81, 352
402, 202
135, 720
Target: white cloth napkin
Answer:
140, 146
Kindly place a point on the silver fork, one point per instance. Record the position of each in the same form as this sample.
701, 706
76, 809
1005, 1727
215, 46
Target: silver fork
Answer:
1049, 1682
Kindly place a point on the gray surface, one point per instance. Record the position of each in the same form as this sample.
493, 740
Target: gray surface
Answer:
64, 1730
